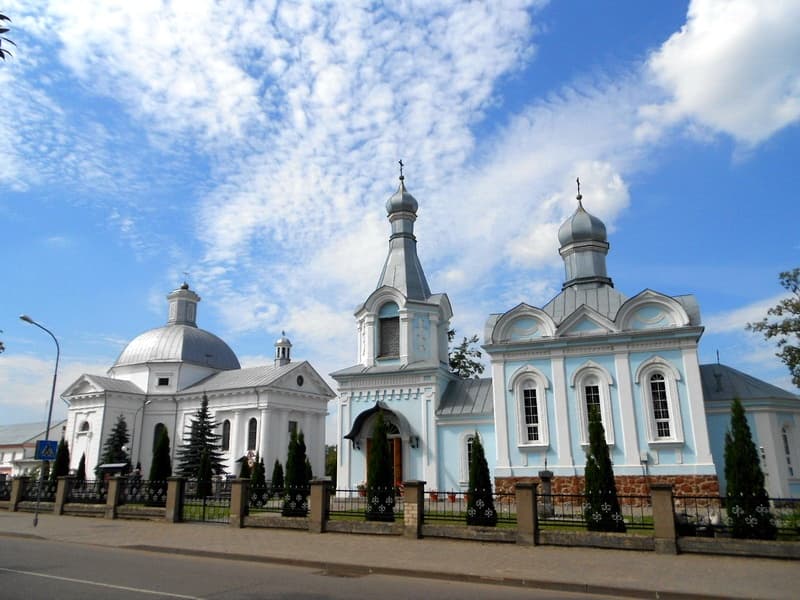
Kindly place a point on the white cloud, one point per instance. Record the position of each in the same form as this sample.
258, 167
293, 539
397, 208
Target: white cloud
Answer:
732, 67
738, 318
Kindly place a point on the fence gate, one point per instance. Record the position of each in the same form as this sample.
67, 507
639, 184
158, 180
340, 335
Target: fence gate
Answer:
214, 508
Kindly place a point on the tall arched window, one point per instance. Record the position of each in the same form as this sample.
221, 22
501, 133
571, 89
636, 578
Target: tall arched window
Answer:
529, 387
389, 331
252, 430
157, 434
658, 381
226, 435
658, 395
592, 385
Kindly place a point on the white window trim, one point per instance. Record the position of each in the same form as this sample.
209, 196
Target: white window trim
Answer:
530, 377
605, 381
671, 376
789, 429
464, 470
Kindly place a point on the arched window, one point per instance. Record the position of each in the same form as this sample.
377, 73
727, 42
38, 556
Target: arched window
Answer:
226, 435
787, 450
529, 386
252, 430
658, 383
592, 385
84, 427
389, 331
157, 434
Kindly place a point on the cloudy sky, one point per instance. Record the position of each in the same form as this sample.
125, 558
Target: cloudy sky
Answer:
250, 147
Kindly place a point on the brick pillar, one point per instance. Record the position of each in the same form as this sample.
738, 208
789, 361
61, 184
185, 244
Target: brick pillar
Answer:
240, 501
174, 510
414, 510
527, 515
62, 491
320, 505
115, 485
18, 485
663, 518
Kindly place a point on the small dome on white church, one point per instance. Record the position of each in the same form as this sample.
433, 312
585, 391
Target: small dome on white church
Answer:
581, 227
401, 200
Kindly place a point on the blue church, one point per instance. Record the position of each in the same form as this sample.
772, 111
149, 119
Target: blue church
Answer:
633, 358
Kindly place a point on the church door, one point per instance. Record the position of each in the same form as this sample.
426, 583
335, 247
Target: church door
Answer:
396, 454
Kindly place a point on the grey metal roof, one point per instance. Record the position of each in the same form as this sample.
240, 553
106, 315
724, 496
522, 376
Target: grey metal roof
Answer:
721, 382
20, 433
604, 299
179, 343
380, 369
403, 271
580, 227
467, 397
115, 385
242, 378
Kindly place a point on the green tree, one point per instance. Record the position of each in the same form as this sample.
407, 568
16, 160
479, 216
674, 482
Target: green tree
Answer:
80, 475
114, 448
276, 483
258, 482
330, 462
4, 52
602, 511
783, 324
61, 466
480, 502
747, 503
295, 502
199, 437
244, 471
204, 474
465, 358
160, 470
380, 476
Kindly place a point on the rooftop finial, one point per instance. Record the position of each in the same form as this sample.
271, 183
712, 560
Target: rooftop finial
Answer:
401, 170
579, 197
283, 332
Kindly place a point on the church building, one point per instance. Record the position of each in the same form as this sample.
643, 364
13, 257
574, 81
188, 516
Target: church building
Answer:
161, 377
632, 358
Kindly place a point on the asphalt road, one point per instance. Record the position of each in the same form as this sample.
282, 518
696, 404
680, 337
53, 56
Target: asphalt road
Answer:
36, 569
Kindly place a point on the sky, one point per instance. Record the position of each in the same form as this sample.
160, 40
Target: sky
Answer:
249, 149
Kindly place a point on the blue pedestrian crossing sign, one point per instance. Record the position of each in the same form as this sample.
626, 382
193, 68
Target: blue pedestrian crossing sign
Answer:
46, 449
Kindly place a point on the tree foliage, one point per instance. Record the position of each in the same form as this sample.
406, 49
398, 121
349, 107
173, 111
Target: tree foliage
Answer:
602, 511
161, 466
80, 475
276, 482
330, 462
380, 476
295, 502
747, 503
783, 324
200, 437
480, 502
205, 472
465, 358
61, 466
4, 52
244, 471
114, 448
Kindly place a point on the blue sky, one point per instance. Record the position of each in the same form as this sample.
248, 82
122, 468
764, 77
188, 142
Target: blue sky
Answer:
254, 145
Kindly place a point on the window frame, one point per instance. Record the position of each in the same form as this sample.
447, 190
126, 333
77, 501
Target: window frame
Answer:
593, 372
252, 434
389, 312
529, 377
787, 449
672, 376
225, 440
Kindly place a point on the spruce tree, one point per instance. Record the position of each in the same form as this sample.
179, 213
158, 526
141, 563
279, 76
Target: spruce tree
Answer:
114, 448
276, 483
380, 479
480, 502
80, 475
61, 466
160, 470
295, 502
747, 503
204, 474
200, 436
601, 510
258, 482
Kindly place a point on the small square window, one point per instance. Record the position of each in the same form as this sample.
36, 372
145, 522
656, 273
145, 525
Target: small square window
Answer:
292, 427
162, 381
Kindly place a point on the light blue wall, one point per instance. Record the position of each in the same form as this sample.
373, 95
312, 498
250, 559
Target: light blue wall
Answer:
452, 449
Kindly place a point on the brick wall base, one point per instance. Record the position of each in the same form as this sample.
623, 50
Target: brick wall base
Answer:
627, 485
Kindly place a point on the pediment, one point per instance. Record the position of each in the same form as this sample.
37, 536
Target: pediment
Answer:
651, 310
82, 387
585, 321
304, 379
522, 323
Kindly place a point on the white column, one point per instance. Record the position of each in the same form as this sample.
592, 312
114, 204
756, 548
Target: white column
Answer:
281, 418
263, 445
564, 441
236, 435
405, 336
697, 412
344, 447
369, 338
500, 415
627, 414
430, 470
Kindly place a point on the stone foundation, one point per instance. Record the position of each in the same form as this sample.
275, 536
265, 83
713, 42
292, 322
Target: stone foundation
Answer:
627, 485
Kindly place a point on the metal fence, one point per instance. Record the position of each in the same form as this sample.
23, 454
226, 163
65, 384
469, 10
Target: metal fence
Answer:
565, 511
31, 491
709, 516
213, 508
5, 489
265, 499
452, 507
143, 491
88, 492
353, 505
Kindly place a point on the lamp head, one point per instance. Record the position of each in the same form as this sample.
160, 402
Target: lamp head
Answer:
26, 318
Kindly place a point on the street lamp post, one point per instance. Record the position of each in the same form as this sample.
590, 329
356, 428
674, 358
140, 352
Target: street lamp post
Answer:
133, 433
27, 319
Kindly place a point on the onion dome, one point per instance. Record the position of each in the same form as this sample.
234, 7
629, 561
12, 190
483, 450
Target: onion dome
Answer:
401, 200
581, 227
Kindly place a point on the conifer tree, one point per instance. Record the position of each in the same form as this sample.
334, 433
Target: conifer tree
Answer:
160, 470
80, 475
602, 511
480, 503
380, 479
244, 470
200, 436
747, 503
295, 502
258, 482
114, 448
204, 474
61, 466
276, 483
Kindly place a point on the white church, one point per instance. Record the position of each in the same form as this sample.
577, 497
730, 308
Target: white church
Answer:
633, 357
159, 381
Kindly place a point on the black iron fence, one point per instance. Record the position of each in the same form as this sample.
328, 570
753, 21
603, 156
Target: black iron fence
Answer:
452, 507
725, 516
265, 498
565, 511
143, 491
347, 505
31, 491
5, 489
88, 492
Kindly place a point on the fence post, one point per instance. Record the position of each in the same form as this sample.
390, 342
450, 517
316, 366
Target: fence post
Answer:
174, 510
663, 518
414, 509
320, 505
527, 516
62, 493
115, 485
240, 500
18, 485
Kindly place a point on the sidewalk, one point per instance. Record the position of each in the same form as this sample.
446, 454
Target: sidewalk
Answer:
613, 572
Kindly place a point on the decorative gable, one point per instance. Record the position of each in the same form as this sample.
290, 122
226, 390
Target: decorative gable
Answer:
522, 323
585, 321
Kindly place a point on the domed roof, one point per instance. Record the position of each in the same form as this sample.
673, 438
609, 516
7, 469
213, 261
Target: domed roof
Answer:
581, 227
401, 201
283, 340
179, 343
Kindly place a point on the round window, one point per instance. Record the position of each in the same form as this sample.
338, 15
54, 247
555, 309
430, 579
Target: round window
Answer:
299, 380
